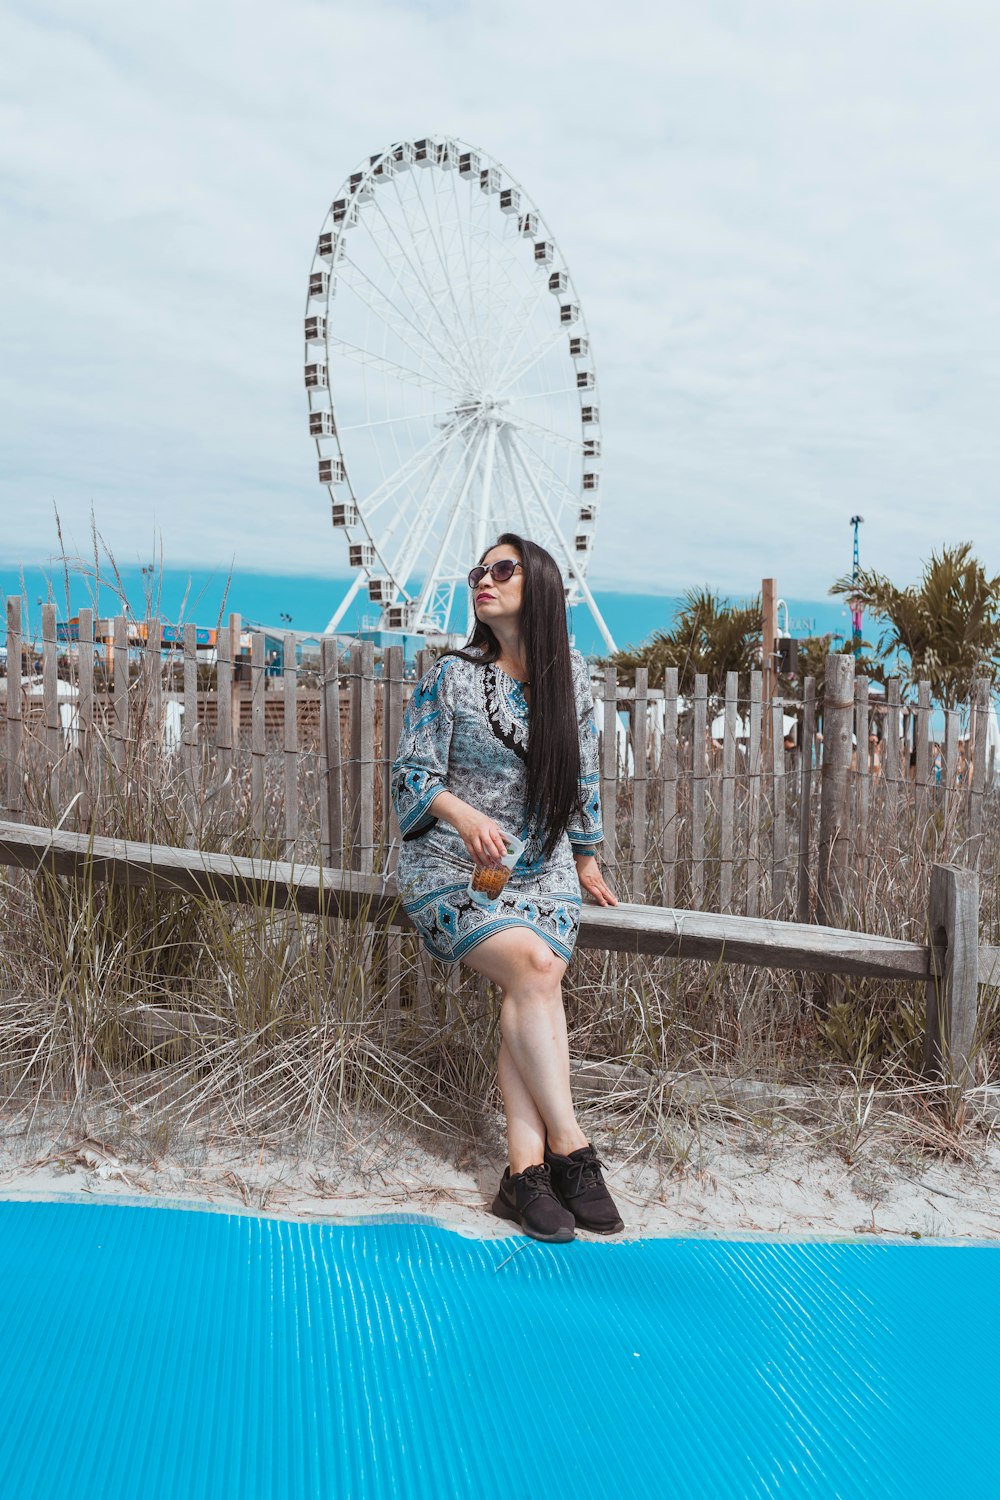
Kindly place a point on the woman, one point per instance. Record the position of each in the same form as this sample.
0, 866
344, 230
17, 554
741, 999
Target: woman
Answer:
468, 771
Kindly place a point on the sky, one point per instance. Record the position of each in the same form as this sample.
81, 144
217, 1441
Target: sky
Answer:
782, 219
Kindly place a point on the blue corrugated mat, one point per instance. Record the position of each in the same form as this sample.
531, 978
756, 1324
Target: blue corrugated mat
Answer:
163, 1352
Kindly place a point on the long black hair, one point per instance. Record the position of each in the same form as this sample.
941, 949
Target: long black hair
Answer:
553, 760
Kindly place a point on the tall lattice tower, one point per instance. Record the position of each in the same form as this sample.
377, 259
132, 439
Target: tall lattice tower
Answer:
857, 522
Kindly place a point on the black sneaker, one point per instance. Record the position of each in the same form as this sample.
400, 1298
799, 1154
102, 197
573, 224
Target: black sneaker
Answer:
527, 1199
578, 1183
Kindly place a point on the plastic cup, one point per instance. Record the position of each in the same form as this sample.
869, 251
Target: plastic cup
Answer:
487, 881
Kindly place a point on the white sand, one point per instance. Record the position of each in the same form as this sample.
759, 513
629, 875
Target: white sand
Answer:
736, 1182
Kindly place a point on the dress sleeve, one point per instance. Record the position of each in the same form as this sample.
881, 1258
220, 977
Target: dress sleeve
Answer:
420, 769
585, 829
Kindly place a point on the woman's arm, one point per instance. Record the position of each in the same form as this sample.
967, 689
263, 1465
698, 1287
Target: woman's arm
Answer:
420, 769
585, 830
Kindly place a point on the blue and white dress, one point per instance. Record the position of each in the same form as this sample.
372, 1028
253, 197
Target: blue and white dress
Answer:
465, 731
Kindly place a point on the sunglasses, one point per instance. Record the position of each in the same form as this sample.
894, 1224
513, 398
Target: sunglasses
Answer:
502, 571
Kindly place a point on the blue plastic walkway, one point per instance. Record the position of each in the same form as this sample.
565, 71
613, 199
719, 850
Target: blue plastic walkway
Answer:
164, 1352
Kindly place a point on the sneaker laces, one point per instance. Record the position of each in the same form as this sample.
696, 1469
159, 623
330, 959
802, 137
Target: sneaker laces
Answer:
537, 1179
583, 1172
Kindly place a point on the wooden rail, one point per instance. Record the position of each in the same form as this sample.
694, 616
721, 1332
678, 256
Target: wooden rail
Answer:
949, 966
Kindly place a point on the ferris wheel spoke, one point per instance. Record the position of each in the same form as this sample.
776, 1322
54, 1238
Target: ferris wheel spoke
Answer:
425, 518
464, 243
443, 376
413, 416
471, 461
529, 361
379, 362
550, 433
523, 320
566, 390
554, 476
413, 474
394, 481
422, 333
432, 300
448, 279
515, 484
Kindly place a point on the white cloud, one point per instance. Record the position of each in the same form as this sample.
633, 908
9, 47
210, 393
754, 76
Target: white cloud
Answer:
782, 219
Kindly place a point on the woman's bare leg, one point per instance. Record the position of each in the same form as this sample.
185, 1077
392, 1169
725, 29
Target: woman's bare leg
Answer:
525, 1126
534, 1062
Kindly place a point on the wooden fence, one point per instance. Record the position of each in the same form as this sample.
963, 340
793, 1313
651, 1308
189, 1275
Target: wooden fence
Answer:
712, 806
950, 966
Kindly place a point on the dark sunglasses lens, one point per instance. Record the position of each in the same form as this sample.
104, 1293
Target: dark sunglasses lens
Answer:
504, 569
476, 575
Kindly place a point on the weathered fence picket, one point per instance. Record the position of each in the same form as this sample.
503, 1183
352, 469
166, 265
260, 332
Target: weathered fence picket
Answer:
694, 812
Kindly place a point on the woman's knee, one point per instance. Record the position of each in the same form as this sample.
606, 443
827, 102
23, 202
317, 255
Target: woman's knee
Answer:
539, 969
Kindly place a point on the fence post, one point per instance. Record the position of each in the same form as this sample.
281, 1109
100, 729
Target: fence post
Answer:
891, 762
393, 665
979, 729
224, 714
640, 720
235, 714
609, 771
258, 736
779, 829
120, 683
191, 752
85, 712
699, 776
755, 870
835, 786
805, 795
362, 769
50, 700
727, 841
952, 991
15, 735
668, 774
332, 752
861, 786
291, 744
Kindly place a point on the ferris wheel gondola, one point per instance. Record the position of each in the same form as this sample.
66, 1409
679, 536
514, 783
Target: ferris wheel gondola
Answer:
451, 382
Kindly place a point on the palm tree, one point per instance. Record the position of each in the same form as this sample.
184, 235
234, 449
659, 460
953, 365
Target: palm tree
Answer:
948, 625
708, 635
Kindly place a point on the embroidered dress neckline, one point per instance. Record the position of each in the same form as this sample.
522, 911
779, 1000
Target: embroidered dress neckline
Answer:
521, 681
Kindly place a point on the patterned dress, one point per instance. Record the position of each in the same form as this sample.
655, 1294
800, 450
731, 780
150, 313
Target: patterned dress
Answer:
465, 731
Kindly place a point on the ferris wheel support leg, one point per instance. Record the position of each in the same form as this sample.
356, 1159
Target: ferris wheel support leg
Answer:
471, 460
570, 559
484, 512
345, 604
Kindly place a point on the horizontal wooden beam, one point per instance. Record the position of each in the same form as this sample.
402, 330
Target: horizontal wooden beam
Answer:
666, 931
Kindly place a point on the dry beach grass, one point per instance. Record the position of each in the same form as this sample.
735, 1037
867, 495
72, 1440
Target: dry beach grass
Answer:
166, 1043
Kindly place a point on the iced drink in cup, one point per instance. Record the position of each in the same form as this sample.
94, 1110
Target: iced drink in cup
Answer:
487, 881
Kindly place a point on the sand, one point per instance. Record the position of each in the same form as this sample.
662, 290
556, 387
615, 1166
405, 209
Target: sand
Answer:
731, 1182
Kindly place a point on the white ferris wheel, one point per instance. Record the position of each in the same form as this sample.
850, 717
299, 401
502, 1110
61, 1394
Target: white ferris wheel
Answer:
452, 391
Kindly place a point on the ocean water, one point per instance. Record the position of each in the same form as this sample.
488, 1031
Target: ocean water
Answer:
203, 595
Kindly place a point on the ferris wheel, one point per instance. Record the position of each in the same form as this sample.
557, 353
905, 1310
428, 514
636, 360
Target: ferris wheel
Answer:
451, 384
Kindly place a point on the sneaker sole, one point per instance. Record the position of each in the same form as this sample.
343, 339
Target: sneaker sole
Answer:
504, 1211
603, 1229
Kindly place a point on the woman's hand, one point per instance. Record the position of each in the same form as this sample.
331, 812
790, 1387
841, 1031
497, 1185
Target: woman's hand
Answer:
592, 881
482, 837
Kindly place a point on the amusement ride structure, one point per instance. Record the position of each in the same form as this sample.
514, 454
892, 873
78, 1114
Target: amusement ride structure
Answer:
451, 384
